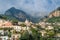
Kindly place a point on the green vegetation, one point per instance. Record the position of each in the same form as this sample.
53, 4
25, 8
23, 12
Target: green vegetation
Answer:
4, 17
14, 21
16, 32
23, 25
25, 36
9, 33
6, 28
53, 19
35, 35
57, 29
11, 18
51, 33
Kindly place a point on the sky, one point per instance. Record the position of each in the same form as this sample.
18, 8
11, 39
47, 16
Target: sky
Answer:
32, 7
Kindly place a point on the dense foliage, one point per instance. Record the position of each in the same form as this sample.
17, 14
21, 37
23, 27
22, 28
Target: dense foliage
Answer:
53, 19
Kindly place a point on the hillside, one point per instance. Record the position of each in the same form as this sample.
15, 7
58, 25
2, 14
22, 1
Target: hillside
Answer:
54, 16
53, 19
16, 14
55, 13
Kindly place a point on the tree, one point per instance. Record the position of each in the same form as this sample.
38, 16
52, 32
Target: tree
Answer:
23, 25
51, 33
15, 22
4, 17
35, 34
25, 36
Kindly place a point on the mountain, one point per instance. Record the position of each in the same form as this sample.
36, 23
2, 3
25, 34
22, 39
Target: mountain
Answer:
54, 16
55, 13
16, 14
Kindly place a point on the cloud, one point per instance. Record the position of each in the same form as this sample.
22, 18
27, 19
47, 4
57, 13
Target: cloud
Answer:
39, 7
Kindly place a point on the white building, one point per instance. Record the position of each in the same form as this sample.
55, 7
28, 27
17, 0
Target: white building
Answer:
27, 22
1, 32
17, 28
20, 23
3, 37
49, 28
42, 24
15, 36
43, 32
1, 22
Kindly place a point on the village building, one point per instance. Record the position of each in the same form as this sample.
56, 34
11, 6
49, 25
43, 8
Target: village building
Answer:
49, 28
3, 37
27, 22
42, 24
5, 23
15, 36
43, 32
